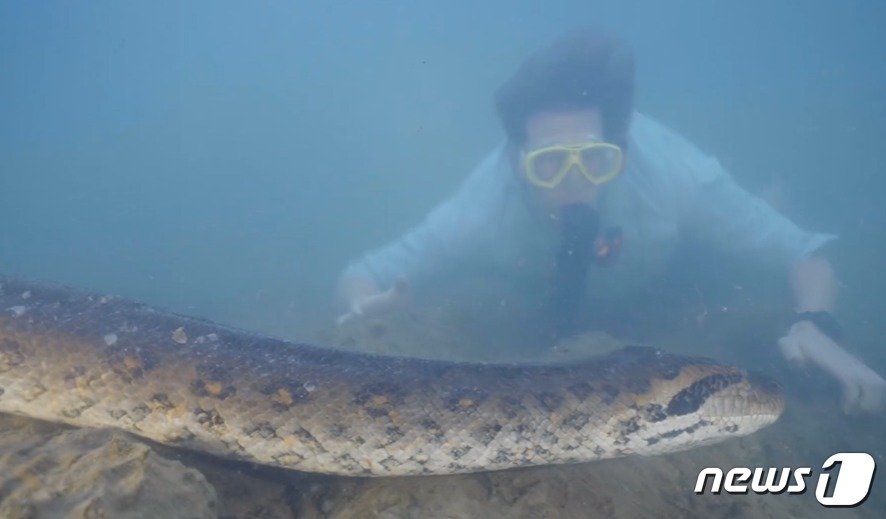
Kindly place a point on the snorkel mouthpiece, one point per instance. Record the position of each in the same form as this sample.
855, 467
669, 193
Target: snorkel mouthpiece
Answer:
579, 224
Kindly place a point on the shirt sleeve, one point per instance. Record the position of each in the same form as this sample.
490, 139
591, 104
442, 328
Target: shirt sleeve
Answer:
452, 232
741, 223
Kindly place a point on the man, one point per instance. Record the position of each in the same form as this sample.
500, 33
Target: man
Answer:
595, 197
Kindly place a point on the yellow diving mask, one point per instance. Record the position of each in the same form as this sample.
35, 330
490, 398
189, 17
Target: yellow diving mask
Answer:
599, 162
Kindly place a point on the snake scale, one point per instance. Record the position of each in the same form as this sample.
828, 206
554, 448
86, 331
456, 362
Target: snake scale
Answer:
100, 361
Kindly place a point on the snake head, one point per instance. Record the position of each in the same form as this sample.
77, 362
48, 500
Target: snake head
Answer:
689, 401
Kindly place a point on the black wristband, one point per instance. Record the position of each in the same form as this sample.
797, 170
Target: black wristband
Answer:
824, 321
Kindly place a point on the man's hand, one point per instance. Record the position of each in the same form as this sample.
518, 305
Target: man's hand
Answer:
863, 389
377, 303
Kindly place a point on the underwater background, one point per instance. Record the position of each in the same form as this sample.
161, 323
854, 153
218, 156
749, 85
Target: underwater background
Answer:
226, 160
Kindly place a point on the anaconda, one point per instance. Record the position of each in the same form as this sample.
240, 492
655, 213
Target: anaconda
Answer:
101, 361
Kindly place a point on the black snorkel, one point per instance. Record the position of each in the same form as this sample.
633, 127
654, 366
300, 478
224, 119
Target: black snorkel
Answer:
579, 225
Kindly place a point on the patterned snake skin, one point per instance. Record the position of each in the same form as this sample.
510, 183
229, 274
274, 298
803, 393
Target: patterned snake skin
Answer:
100, 361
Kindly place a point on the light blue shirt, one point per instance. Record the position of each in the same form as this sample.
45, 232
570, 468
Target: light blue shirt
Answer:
668, 187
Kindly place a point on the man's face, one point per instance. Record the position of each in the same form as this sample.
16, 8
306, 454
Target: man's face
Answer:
562, 128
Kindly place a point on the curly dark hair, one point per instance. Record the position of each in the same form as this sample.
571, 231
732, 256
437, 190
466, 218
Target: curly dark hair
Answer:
584, 69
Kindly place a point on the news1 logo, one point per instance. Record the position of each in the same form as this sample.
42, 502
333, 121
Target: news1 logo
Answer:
851, 488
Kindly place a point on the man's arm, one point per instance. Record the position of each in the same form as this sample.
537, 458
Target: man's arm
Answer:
815, 288
814, 285
748, 226
451, 232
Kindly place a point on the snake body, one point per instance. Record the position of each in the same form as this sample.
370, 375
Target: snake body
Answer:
101, 361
